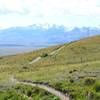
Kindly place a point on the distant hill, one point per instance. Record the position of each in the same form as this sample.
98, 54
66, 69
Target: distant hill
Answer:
36, 35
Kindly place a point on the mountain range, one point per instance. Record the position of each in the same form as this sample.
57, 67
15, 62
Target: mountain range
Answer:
37, 35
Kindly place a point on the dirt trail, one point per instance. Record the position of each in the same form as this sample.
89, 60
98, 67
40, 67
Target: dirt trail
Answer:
52, 53
35, 60
43, 86
56, 51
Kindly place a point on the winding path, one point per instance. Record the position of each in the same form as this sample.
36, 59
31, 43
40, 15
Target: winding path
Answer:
57, 93
52, 53
43, 86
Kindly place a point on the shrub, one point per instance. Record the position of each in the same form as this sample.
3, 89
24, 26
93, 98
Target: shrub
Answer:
95, 96
71, 81
29, 93
44, 55
70, 72
0, 57
97, 87
89, 81
74, 70
24, 67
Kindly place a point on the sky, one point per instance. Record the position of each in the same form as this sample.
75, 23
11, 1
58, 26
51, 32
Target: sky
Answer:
69, 13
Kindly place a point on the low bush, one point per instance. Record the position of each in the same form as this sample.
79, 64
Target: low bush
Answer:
70, 72
97, 87
89, 81
44, 55
71, 81
96, 96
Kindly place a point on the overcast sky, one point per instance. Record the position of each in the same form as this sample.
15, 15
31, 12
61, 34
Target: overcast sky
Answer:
70, 13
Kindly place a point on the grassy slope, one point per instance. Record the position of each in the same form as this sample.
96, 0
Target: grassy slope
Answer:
82, 56
76, 61
13, 64
77, 55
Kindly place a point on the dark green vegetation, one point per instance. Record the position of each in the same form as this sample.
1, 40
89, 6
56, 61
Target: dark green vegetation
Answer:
25, 92
75, 69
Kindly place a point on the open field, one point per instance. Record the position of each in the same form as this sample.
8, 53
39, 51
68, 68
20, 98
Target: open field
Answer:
75, 69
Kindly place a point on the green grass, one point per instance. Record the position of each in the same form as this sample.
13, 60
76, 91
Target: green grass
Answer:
66, 70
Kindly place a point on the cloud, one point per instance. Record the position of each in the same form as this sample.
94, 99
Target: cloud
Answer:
50, 11
62, 7
11, 6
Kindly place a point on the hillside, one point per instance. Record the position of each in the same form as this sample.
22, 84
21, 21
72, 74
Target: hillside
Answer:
66, 69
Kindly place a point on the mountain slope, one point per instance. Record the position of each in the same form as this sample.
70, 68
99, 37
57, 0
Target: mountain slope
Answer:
74, 69
76, 52
83, 51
